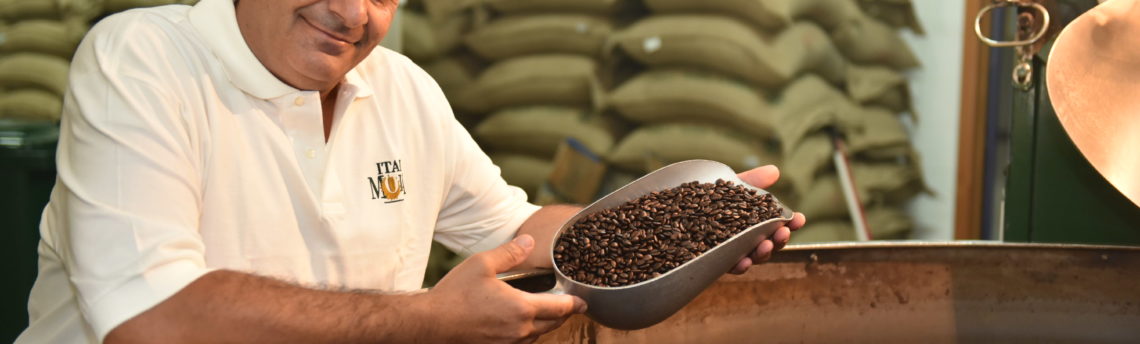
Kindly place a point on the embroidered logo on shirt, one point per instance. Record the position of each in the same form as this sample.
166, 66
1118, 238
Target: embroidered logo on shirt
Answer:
389, 182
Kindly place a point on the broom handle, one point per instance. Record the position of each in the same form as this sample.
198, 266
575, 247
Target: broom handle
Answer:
850, 194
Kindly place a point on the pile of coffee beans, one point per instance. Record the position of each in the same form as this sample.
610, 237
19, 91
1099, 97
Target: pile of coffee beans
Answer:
655, 233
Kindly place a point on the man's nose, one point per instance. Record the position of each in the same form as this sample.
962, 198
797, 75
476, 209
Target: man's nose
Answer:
353, 13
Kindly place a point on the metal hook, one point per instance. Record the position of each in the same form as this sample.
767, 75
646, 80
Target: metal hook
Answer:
1023, 75
1020, 3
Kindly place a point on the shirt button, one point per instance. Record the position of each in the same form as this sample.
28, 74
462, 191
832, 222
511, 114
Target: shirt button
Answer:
299, 101
311, 153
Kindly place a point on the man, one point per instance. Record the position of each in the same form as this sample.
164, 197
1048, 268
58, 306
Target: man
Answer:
254, 171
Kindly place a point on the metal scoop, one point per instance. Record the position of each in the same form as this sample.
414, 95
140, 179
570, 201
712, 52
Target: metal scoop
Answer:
649, 302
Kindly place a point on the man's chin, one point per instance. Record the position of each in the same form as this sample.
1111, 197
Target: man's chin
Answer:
325, 72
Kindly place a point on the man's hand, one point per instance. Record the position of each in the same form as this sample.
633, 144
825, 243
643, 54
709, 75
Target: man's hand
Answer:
483, 309
763, 177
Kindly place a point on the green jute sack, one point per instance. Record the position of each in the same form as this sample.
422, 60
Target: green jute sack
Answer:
514, 36
877, 129
766, 14
728, 46
869, 41
879, 86
890, 182
807, 160
872, 133
885, 223
53, 37
452, 73
442, 9
426, 39
17, 10
824, 231
877, 184
112, 6
524, 171
896, 13
23, 70
30, 104
809, 105
889, 223
552, 79
538, 130
556, 6
670, 95
823, 198
656, 145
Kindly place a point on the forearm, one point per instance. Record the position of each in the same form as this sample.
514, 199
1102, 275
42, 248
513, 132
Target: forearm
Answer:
233, 307
542, 225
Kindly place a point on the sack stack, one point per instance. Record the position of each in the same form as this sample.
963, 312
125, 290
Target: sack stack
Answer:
733, 67
754, 82
710, 85
522, 75
883, 162
37, 39
432, 35
744, 82
115, 6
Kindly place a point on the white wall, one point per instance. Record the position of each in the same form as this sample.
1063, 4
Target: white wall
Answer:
936, 90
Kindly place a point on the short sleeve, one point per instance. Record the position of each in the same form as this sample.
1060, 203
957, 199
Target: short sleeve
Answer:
127, 200
480, 211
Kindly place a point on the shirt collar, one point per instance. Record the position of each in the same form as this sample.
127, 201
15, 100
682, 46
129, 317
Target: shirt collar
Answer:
360, 88
217, 22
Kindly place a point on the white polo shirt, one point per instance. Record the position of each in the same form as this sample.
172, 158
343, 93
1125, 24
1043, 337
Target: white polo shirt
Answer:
180, 153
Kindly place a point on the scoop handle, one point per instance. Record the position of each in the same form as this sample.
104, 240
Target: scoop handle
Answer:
541, 280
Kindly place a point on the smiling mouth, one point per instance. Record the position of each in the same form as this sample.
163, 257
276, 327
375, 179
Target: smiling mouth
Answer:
326, 33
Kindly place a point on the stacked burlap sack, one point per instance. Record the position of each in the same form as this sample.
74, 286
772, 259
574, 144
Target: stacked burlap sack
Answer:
115, 6
725, 79
522, 75
710, 87
713, 81
432, 37
37, 39
744, 82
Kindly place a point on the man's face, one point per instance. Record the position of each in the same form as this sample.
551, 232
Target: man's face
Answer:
311, 44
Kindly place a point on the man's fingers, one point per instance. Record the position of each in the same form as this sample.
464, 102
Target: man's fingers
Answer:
549, 307
508, 255
798, 221
781, 237
741, 266
761, 177
763, 252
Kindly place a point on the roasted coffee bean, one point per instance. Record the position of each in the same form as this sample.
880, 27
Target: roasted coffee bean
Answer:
651, 235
